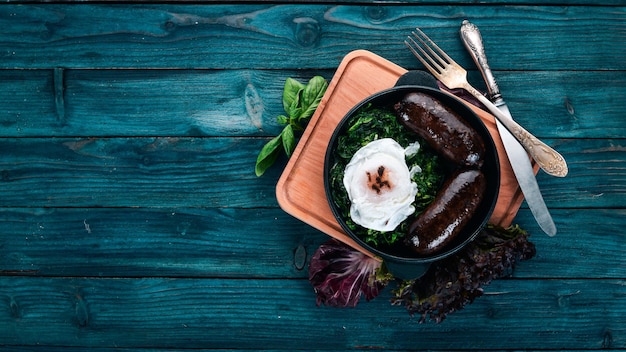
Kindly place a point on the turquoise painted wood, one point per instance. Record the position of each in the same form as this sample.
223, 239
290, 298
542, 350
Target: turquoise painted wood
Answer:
103, 103
131, 218
187, 313
198, 242
219, 172
372, 9
269, 36
174, 242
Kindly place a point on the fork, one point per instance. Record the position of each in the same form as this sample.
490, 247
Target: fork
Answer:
452, 75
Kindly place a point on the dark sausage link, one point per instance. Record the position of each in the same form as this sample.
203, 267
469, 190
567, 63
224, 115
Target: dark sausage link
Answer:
443, 129
450, 211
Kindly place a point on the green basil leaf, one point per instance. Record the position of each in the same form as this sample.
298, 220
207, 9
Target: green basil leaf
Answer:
295, 110
312, 95
299, 102
289, 140
291, 93
282, 119
267, 156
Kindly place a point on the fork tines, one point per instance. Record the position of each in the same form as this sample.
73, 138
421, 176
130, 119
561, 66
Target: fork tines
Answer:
425, 46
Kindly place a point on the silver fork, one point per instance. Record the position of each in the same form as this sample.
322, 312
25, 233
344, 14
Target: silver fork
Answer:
452, 75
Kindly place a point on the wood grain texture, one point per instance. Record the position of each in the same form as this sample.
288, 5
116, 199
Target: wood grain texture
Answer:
106, 103
595, 181
259, 243
293, 36
219, 313
27, 102
371, 4
219, 172
132, 172
136, 242
131, 218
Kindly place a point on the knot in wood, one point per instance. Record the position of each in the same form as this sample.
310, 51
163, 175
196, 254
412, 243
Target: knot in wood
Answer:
375, 13
307, 31
14, 309
607, 339
299, 257
81, 311
569, 106
254, 106
170, 26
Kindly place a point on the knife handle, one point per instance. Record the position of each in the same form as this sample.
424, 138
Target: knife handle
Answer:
474, 43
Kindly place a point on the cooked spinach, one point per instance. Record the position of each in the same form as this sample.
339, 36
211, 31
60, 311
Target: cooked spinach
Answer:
369, 124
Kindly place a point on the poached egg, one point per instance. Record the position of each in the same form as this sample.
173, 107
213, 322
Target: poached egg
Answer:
379, 186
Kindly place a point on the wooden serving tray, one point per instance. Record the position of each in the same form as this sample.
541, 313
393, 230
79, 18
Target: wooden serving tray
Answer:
300, 189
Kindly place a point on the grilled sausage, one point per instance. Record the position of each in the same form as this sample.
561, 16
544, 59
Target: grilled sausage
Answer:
442, 129
450, 211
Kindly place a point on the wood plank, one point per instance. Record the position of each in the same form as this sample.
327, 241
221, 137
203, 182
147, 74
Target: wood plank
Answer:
589, 244
596, 178
98, 349
253, 314
177, 102
131, 172
168, 242
178, 36
219, 172
557, 104
27, 102
372, 6
260, 243
110, 103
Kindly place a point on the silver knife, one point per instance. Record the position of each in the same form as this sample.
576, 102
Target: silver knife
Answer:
522, 168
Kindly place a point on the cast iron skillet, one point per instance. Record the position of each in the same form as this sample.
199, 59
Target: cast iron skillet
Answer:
402, 262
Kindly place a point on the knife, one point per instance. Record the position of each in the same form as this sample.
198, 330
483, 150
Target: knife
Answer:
520, 162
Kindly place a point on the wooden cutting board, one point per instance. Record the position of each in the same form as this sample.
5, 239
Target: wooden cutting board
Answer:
300, 189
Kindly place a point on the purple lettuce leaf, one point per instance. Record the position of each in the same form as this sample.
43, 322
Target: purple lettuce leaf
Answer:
454, 282
340, 275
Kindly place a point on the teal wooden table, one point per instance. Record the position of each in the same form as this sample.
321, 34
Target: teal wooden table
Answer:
132, 219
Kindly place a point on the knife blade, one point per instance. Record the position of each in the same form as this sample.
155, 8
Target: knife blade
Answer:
520, 162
